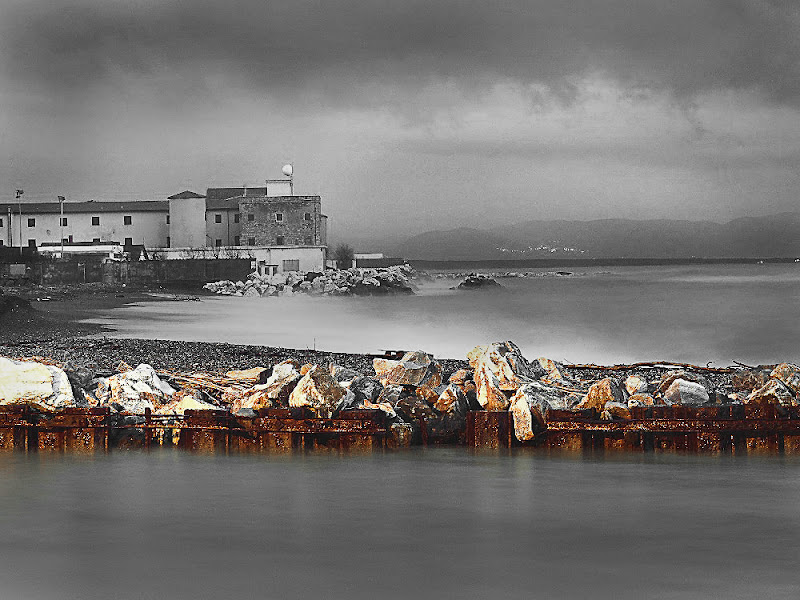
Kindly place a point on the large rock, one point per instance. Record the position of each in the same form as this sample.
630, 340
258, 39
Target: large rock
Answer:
185, 400
554, 371
686, 392
366, 388
640, 400
254, 375
452, 400
413, 408
415, 368
135, 390
774, 392
635, 384
668, 378
615, 410
499, 368
318, 391
601, 392
43, 386
789, 374
280, 384
529, 412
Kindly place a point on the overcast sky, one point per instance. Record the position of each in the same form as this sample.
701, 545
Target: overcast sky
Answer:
410, 115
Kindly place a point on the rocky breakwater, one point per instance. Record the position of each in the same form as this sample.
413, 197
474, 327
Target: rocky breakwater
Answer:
420, 402
331, 282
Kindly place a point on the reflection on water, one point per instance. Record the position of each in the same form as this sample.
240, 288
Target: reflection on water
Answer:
441, 523
697, 313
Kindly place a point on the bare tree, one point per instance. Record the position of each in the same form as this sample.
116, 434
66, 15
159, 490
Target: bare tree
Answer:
343, 255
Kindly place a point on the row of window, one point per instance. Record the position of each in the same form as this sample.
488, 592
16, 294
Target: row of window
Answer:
251, 217
126, 220
69, 240
251, 241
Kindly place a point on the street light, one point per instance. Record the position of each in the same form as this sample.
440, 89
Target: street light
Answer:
61, 223
19, 202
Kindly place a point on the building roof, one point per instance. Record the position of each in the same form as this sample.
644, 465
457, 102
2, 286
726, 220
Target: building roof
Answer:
185, 195
41, 208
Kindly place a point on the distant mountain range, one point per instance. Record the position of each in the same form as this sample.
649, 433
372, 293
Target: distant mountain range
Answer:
750, 237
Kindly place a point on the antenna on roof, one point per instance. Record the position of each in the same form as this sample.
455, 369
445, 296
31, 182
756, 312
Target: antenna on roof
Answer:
288, 170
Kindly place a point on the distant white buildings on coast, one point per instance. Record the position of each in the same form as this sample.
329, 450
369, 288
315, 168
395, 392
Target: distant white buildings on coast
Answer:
279, 231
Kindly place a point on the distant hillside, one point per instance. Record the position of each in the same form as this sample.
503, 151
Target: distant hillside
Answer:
773, 235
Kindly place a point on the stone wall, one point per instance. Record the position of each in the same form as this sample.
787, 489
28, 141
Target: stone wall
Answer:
282, 221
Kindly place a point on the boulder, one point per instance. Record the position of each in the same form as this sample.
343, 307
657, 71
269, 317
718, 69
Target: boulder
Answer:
774, 392
452, 400
386, 407
366, 388
789, 374
415, 368
412, 408
280, 384
479, 282
671, 376
615, 410
135, 390
498, 368
43, 386
184, 400
601, 392
343, 375
318, 391
529, 412
254, 375
686, 392
553, 370
634, 384
254, 398
640, 400
392, 393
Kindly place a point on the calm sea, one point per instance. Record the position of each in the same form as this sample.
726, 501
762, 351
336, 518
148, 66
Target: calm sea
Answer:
696, 313
433, 523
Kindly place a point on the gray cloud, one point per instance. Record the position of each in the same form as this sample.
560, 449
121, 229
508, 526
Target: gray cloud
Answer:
332, 51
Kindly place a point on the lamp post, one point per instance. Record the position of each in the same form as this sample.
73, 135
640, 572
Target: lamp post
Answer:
19, 207
61, 222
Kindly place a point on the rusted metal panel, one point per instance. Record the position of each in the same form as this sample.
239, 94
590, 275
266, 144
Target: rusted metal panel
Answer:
490, 429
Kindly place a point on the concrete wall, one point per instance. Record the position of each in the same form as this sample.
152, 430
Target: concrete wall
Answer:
309, 258
147, 228
191, 273
187, 225
292, 230
226, 231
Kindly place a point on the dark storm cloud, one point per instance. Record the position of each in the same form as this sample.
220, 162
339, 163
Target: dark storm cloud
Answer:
335, 49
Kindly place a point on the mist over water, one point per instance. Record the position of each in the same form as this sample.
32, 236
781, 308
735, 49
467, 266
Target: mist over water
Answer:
696, 313
424, 523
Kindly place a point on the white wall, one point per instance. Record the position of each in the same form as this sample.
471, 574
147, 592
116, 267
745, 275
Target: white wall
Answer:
187, 226
148, 228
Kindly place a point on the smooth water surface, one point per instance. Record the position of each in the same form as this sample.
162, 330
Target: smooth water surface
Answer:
697, 313
426, 523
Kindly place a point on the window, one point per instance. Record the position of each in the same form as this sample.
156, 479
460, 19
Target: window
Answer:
237, 240
1, 243
217, 218
251, 241
129, 241
308, 240
279, 217
280, 241
291, 265
1, 222
237, 217
31, 222
95, 221
69, 239
307, 216
64, 241
32, 243
167, 219
63, 221
95, 240
217, 243
127, 220
251, 217
168, 239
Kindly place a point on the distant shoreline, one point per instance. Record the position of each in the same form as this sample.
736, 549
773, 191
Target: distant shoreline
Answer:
590, 262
